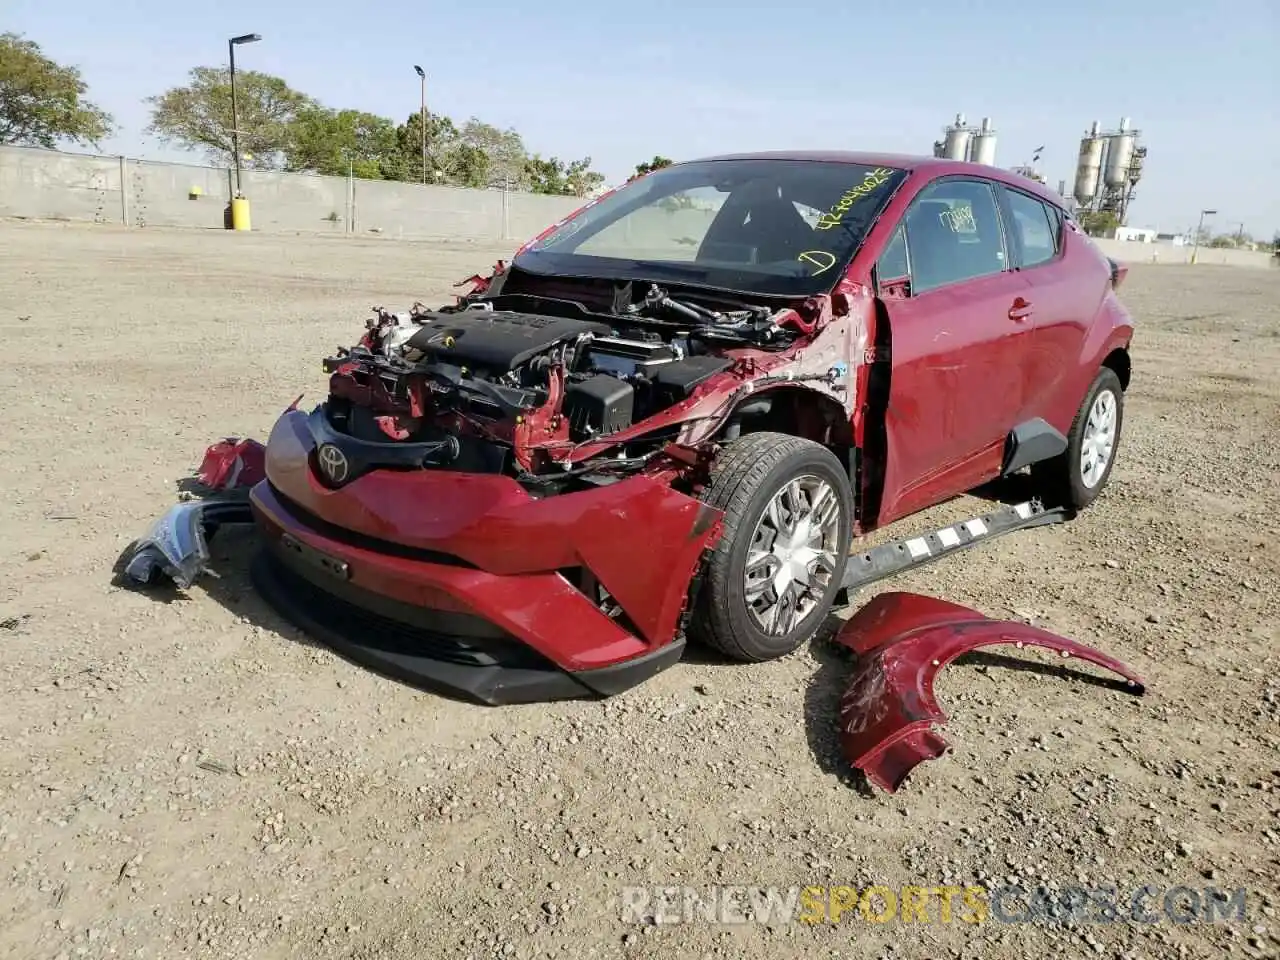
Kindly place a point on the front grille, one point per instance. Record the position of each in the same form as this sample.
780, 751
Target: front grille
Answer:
367, 628
353, 538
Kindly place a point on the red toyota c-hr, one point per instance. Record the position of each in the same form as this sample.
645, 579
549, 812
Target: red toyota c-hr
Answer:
672, 412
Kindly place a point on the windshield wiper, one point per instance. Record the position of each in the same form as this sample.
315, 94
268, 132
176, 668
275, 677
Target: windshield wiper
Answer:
657, 300
749, 325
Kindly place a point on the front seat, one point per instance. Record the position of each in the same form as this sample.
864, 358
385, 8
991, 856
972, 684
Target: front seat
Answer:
777, 230
757, 226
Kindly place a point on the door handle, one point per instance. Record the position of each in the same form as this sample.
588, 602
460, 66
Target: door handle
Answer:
1020, 310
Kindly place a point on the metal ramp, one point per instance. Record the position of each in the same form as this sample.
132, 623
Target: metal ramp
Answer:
898, 556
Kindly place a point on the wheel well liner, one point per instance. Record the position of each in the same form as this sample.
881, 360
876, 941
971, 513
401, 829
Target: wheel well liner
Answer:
1118, 360
796, 410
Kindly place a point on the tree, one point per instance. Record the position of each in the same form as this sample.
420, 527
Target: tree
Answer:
473, 156
504, 150
554, 176
283, 128
406, 164
198, 116
657, 163
1098, 223
581, 180
333, 141
42, 102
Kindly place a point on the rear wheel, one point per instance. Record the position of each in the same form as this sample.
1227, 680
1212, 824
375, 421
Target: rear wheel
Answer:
771, 580
1078, 476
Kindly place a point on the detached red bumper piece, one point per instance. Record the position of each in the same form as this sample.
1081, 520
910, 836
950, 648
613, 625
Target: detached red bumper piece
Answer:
902, 641
233, 464
468, 584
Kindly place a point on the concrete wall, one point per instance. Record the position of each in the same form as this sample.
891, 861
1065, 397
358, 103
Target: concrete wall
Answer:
51, 185
1138, 252
47, 184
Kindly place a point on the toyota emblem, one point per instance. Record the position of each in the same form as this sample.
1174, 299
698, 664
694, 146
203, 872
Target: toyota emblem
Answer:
333, 462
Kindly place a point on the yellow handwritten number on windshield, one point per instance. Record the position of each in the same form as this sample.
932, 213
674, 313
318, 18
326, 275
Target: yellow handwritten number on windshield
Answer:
820, 260
835, 216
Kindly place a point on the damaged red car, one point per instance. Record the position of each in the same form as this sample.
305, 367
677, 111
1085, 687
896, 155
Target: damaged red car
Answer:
671, 414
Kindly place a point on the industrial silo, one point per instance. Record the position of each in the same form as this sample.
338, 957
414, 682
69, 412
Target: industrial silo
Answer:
1119, 156
1088, 167
983, 148
956, 144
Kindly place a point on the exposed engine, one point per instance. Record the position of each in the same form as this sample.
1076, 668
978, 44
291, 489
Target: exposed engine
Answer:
487, 387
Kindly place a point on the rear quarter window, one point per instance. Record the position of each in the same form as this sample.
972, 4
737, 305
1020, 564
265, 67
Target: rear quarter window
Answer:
1035, 228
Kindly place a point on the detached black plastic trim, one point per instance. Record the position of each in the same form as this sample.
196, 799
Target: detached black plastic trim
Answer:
1031, 442
365, 455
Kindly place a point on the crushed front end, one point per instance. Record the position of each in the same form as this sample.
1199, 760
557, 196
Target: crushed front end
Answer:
499, 499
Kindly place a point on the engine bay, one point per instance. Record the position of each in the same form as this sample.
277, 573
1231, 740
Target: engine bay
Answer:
612, 378
513, 374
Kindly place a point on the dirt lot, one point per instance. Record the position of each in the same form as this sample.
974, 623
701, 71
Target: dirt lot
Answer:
194, 778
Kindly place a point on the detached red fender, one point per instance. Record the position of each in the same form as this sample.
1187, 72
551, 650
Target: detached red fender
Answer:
903, 640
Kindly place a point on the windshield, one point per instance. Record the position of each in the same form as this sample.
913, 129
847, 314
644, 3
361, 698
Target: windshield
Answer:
770, 227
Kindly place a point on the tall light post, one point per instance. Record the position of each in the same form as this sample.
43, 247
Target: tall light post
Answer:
422, 118
235, 113
1199, 230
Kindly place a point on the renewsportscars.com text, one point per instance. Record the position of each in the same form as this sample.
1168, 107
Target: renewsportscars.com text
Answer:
931, 904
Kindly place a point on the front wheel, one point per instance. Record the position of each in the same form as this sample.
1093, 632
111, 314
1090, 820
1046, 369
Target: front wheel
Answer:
772, 578
1077, 477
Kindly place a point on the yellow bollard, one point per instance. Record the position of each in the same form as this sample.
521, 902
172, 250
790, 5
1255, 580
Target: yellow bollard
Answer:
240, 214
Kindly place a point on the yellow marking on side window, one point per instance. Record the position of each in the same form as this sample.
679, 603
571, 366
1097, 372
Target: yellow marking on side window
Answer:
959, 220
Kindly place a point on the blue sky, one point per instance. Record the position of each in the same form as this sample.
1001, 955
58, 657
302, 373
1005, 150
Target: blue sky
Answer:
623, 81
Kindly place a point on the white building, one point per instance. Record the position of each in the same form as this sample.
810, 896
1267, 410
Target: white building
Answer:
1135, 234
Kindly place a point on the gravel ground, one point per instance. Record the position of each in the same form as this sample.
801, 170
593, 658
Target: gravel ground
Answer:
189, 776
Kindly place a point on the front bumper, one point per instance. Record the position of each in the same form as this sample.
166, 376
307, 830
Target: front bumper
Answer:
466, 583
409, 644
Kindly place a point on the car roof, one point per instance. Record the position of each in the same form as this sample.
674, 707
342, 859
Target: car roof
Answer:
927, 166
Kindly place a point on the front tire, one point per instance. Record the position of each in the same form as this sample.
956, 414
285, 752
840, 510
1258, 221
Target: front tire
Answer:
1078, 476
772, 578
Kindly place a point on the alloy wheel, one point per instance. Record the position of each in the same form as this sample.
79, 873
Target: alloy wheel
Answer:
1099, 439
792, 557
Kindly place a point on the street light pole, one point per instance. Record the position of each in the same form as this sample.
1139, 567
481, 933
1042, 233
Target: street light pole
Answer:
422, 118
235, 113
1199, 230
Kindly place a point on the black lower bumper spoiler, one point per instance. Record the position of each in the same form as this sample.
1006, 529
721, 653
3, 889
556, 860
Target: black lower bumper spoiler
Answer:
356, 625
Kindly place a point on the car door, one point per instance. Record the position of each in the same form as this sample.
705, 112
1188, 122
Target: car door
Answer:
958, 336
1060, 306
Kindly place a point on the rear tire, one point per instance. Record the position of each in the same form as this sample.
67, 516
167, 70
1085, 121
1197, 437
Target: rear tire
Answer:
772, 578
1076, 477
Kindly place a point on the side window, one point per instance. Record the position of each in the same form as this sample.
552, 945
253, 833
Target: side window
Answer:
893, 262
954, 234
1033, 225
1056, 217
